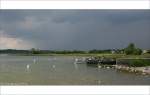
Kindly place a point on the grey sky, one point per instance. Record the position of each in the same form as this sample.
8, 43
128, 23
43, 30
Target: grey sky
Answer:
74, 29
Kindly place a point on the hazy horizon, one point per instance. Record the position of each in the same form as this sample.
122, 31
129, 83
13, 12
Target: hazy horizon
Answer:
74, 29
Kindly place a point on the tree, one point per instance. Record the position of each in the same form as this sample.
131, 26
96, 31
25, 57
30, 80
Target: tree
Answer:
137, 51
131, 49
35, 51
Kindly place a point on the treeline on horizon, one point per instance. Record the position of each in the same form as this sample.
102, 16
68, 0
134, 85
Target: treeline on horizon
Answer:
130, 49
94, 51
37, 51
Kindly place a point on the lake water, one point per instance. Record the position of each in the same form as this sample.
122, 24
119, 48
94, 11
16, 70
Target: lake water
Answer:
61, 70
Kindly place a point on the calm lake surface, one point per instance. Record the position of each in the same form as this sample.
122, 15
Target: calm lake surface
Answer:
61, 70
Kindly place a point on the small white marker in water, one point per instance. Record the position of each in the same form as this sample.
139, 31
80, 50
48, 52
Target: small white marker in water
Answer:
76, 60
54, 66
28, 66
99, 66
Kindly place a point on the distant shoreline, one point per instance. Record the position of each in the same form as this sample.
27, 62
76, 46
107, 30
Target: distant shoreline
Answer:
76, 54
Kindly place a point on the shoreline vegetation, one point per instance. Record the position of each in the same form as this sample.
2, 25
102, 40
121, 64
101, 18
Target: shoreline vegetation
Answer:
129, 59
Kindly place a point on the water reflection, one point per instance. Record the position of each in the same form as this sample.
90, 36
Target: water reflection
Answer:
93, 65
34, 60
75, 65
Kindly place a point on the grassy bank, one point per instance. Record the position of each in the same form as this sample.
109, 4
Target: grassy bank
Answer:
139, 63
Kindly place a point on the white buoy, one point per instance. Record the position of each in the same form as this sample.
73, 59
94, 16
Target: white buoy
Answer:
107, 67
76, 60
99, 66
54, 66
28, 67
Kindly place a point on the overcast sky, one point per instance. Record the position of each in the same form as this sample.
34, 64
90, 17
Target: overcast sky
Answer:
74, 29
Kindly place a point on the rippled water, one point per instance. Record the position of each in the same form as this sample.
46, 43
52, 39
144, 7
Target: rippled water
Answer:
61, 70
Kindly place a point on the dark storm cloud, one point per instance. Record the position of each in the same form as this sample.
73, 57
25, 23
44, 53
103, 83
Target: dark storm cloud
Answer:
77, 29
128, 17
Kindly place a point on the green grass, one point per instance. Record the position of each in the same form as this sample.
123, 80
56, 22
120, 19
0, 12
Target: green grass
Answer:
139, 63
